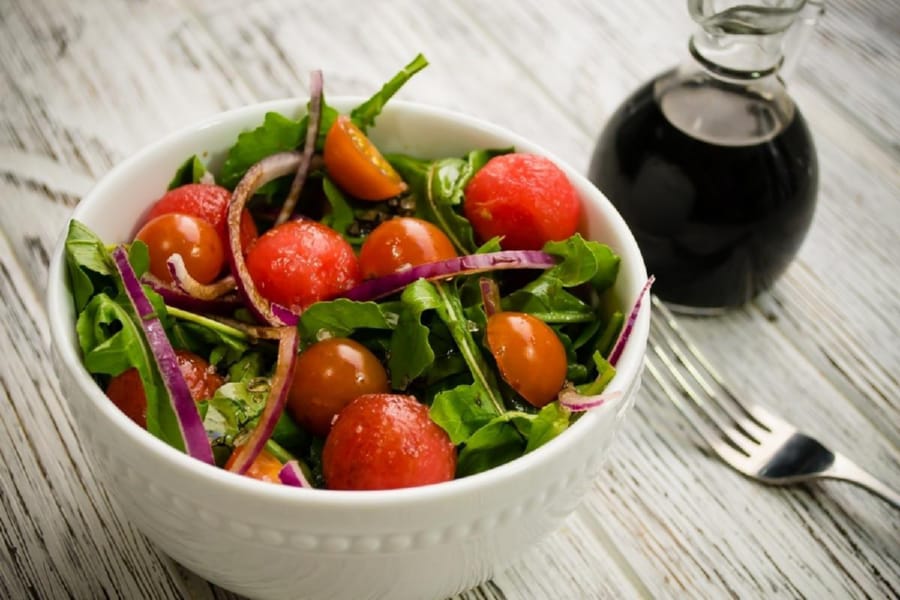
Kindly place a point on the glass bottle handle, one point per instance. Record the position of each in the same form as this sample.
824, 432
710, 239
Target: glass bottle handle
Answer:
796, 40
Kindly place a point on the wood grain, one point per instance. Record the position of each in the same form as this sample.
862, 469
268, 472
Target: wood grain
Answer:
86, 84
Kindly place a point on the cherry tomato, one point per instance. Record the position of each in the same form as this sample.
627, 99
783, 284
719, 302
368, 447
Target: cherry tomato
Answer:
402, 243
386, 441
529, 355
356, 165
208, 202
301, 262
127, 392
265, 467
523, 197
328, 376
194, 239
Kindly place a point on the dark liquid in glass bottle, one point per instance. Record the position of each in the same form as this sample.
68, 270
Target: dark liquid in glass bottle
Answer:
718, 214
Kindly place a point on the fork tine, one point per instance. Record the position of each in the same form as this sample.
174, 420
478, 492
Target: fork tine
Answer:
754, 425
704, 430
736, 439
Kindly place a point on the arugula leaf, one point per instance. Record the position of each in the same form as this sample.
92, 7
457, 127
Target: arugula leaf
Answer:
546, 299
341, 317
235, 406
139, 257
191, 171
412, 354
204, 336
498, 442
607, 338
552, 420
439, 187
451, 312
111, 342
277, 134
341, 215
88, 263
583, 261
363, 116
250, 366
605, 373
459, 412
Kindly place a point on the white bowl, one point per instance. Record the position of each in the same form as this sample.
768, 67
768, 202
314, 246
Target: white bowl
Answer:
270, 541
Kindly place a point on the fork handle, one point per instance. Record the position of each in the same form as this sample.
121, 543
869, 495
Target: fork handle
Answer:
844, 469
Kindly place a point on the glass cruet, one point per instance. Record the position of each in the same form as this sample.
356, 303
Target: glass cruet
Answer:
711, 163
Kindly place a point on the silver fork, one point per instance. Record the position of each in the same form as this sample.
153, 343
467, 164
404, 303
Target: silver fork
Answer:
745, 435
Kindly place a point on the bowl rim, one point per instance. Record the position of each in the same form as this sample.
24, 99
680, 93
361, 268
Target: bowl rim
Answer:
62, 330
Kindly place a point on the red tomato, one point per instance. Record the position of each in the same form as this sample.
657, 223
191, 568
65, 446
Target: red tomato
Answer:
328, 376
529, 355
386, 441
194, 239
356, 165
523, 197
265, 467
402, 243
208, 202
127, 392
301, 262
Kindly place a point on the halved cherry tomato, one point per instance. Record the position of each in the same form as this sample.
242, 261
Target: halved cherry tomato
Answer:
529, 355
208, 202
127, 392
265, 467
402, 243
328, 376
525, 198
386, 441
356, 165
194, 239
301, 262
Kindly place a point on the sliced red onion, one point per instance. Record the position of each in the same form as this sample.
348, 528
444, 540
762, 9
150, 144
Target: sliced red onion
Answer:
309, 147
224, 305
270, 168
490, 295
292, 474
444, 269
190, 425
281, 384
575, 402
619, 346
186, 282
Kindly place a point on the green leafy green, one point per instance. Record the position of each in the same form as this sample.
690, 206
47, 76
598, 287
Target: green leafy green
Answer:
341, 215
277, 134
452, 314
552, 420
583, 261
88, 263
363, 116
191, 171
111, 341
459, 412
497, 442
605, 373
438, 187
341, 317
220, 343
412, 353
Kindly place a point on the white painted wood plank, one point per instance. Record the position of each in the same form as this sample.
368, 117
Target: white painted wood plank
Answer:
89, 86
56, 523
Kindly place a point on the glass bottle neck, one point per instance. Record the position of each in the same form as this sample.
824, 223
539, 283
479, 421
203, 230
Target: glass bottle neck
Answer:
737, 57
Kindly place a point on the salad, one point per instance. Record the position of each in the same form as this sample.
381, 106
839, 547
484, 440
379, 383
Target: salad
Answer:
319, 314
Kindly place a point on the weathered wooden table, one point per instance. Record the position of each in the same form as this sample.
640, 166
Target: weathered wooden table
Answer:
84, 84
